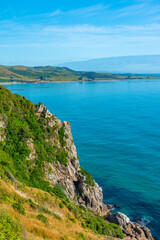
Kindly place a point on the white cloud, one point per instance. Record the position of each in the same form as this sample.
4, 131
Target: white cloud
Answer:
54, 13
141, 9
88, 11
112, 36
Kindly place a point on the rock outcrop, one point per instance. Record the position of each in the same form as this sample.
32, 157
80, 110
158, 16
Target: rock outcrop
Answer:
77, 188
71, 176
119, 218
136, 232
2, 129
53, 157
132, 230
74, 179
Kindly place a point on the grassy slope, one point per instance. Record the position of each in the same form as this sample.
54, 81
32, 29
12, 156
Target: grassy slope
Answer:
60, 225
40, 74
21, 124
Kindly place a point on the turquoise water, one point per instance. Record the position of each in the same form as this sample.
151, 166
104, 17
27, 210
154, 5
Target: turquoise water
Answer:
116, 128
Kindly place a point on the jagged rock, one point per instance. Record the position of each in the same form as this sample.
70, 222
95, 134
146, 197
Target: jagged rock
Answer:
31, 147
112, 206
43, 110
10, 176
2, 124
132, 230
70, 175
2, 130
136, 232
119, 218
75, 182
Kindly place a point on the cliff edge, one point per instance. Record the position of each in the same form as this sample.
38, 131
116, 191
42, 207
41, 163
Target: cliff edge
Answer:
40, 153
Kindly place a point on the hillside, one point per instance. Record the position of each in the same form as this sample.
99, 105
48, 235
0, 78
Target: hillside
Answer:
126, 64
44, 193
52, 74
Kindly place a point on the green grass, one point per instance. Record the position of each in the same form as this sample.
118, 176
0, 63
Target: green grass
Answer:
89, 179
52, 74
94, 221
22, 124
19, 208
42, 218
10, 229
61, 205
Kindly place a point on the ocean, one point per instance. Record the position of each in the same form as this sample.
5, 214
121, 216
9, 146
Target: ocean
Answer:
116, 129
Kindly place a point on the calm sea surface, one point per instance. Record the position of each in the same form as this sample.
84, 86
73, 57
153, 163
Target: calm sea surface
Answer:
116, 128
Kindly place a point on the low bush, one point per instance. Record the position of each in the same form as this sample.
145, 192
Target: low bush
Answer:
81, 236
72, 219
19, 208
61, 205
10, 229
42, 218
59, 191
61, 136
89, 178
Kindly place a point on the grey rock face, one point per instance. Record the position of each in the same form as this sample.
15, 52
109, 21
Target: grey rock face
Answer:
70, 175
2, 130
136, 232
132, 230
75, 183
119, 218
43, 110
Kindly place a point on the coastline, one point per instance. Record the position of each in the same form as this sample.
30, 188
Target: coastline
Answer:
124, 218
103, 80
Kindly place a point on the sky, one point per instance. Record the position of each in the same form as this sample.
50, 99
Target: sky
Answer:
49, 32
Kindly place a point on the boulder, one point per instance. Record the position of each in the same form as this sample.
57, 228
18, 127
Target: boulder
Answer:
119, 218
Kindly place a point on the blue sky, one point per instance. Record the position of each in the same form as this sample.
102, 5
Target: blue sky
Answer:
36, 32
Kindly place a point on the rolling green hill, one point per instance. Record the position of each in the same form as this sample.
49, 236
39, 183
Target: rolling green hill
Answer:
51, 74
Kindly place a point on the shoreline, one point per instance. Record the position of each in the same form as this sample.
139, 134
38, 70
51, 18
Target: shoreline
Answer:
103, 80
123, 217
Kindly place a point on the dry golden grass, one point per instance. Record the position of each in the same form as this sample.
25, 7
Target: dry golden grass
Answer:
55, 229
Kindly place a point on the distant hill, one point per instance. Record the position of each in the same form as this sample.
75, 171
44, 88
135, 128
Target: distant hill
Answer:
53, 74
132, 64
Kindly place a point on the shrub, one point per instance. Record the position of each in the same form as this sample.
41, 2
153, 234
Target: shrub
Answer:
19, 208
89, 179
72, 219
83, 225
61, 205
59, 191
9, 228
42, 218
62, 157
61, 136
81, 236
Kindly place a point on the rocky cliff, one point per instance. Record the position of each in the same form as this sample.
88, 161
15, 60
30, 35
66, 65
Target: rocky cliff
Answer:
43, 155
71, 175
76, 185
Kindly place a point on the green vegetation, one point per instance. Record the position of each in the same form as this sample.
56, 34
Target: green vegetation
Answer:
43, 209
9, 227
22, 125
42, 218
72, 219
19, 207
61, 205
89, 178
62, 135
59, 191
52, 74
94, 221
81, 236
